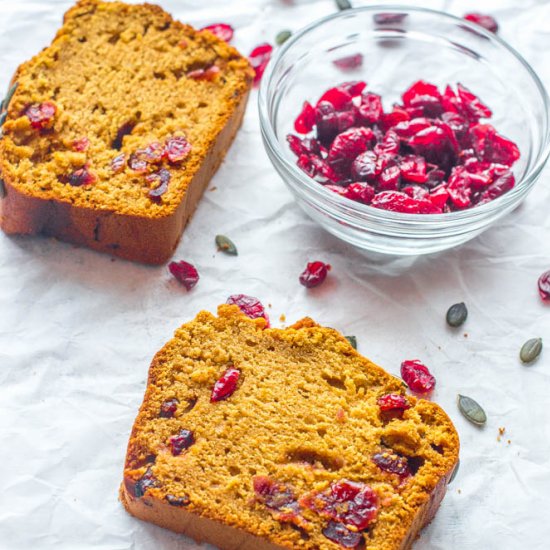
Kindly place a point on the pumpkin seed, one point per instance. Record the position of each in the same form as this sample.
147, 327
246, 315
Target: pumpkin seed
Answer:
457, 314
530, 350
3, 117
2, 189
352, 340
471, 410
282, 37
455, 471
343, 4
225, 244
9, 95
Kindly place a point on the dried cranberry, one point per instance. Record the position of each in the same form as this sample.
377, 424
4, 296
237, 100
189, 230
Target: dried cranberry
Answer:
501, 185
331, 122
370, 108
277, 496
391, 462
306, 119
417, 376
393, 402
305, 146
409, 128
118, 163
138, 488
222, 30
338, 97
208, 73
544, 286
250, 306
259, 58
439, 196
168, 408
152, 153
359, 191
424, 96
340, 534
162, 179
459, 188
81, 144
365, 167
352, 503
435, 145
398, 114
348, 145
349, 61
413, 168
389, 178
396, 201
137, 164
80, 177
181, 441
177, 501
486, 21
185, 273
472, 104
314, 274
354, 87
492, 147
41, 115
176, 149
226, 385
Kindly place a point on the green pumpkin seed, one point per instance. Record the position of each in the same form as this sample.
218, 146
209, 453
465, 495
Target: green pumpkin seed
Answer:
225, 244
9, 95
3, 117
455, 471
282, 37
457, 314
471, 410
352, 340
2, 189
530, 350
343, 4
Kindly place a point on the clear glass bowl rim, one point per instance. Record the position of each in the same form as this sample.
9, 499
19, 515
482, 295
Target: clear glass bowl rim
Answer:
376, 214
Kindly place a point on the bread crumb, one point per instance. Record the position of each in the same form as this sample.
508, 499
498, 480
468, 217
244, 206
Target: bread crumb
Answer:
500, 433
213, 188
509, 441
459, 491
282, 318
465, 335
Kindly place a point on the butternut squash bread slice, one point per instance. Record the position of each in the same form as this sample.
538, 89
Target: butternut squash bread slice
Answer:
257, 438
116, 128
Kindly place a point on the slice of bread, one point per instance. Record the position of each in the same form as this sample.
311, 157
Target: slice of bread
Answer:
116, 128
258, 438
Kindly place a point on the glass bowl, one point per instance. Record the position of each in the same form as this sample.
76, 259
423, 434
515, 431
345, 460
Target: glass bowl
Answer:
401, 45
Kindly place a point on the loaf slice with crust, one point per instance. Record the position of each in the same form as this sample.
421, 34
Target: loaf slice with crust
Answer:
116, 128
257, 438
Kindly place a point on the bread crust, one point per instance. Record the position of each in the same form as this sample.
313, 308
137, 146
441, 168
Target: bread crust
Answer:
136, 238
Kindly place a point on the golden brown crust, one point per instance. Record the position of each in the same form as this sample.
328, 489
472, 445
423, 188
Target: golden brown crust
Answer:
114, 214
190, 363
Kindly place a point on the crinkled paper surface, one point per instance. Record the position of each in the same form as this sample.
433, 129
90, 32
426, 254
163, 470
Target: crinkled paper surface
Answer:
78, 329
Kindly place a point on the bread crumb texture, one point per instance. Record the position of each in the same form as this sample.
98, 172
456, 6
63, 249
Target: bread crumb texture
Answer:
118, 79
303, 417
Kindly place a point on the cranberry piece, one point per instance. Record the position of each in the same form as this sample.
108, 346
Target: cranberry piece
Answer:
222, 30
137, 164
409, 128
41, 115
472, 104
349, 62
359, 191
305, 146
306, 119
501, 185
417, 376
393, 402
338, 97
176, 149
413, 168
416, 192
276, 496
81, 144
259, 58
152, 153
435, 177
396, 201
181, 441
425, 96
340, 534
486, 21
185, 273
226, 385
168, 408
544, 286
250, 306
177, 501
348, 145
398, 114
80, 177
459, 187
392, 463
389, 179
389, 145
370, 109
435, 145
162, 179
138, 488
204, 74
365, 167
317, 168
492, 147
314, 274
331, 122
439, 196
118, 163
352, 503
353, 87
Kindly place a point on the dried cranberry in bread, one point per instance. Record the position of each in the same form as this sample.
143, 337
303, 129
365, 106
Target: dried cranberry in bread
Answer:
115, 129
257, 438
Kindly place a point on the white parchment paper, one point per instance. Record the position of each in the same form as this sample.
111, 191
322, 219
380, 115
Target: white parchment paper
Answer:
78, 329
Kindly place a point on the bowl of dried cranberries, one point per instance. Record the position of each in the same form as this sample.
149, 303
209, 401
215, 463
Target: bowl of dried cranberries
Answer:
404, 131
